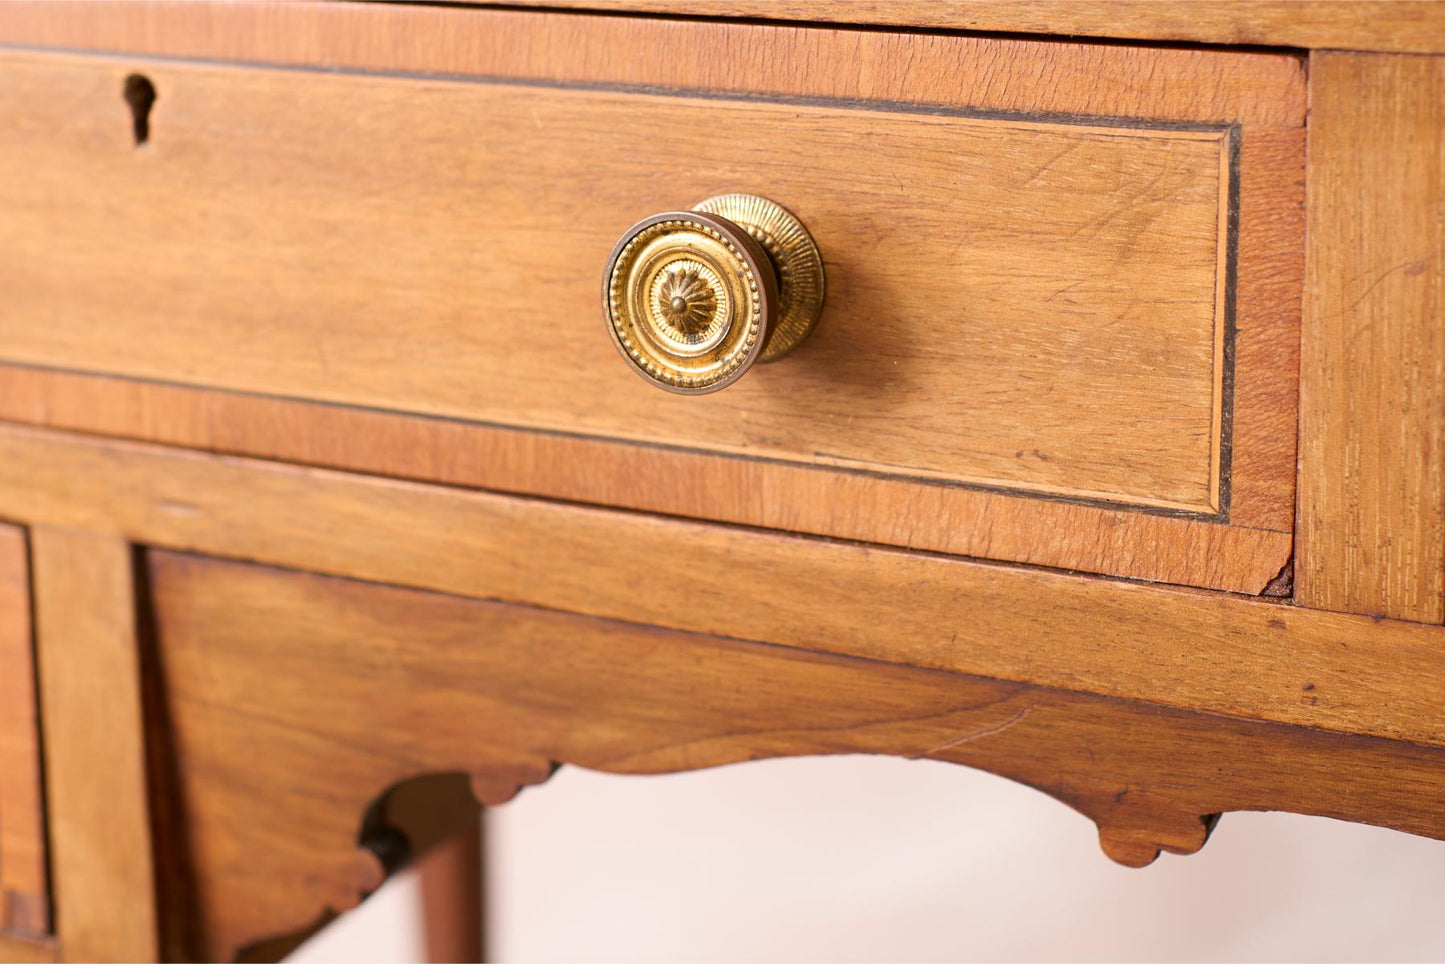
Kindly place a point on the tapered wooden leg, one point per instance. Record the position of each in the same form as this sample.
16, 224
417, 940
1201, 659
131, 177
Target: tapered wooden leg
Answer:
451, 893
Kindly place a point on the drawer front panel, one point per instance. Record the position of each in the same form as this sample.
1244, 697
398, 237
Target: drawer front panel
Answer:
1029, 306
1021, 305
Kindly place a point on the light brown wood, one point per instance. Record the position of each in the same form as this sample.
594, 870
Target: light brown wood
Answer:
24, 896
95, 768
1038, 307
1372, 467
24, 951
276, 772
791, 498
638, 642
1192, 649
451, 896
984, 73
1398, 25
907, 399
1270, 274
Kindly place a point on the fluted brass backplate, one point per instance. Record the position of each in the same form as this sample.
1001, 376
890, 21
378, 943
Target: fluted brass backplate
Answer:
692, 298
795, 257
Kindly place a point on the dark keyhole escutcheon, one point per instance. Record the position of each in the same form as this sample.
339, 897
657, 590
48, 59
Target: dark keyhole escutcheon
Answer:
140, 94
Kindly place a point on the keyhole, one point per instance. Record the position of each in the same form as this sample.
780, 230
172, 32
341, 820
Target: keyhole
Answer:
140, 94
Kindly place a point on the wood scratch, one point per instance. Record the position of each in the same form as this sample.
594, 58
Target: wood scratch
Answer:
1007, 724
1410, 268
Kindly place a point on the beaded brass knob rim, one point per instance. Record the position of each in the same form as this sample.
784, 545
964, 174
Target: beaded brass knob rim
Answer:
692, 298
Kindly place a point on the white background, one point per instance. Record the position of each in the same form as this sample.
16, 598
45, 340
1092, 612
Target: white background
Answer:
880, 859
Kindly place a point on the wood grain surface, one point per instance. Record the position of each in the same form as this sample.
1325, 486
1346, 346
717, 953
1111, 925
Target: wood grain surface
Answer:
791, 498
1416, 26
985, 73
24, 892
1028, 306
952, 359
95, 766
275, 772
520, 632
18, 950
1199, 650
1372, 456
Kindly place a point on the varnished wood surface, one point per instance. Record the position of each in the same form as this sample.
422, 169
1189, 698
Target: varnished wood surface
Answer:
1193, 649
1372, 470
1391, 25
17, 950
24, 892
985, 73
1147, 708
1267, 293
1038, 307
791, 498
1031, 381
1029, 306
275, 771
95, 769
451, 878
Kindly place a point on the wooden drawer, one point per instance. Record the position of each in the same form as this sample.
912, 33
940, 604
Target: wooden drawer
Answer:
1063, 280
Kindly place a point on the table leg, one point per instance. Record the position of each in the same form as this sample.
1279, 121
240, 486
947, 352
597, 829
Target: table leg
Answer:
451, 893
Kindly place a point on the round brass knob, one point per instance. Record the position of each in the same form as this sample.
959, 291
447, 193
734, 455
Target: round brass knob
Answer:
694, 298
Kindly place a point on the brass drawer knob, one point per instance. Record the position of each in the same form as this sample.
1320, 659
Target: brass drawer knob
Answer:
694, 298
